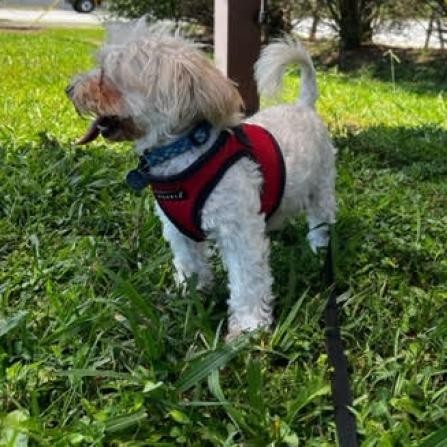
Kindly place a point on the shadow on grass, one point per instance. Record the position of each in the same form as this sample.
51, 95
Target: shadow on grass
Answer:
392, 190
51, 187
420, 152
417, 70
390, 180
82, 193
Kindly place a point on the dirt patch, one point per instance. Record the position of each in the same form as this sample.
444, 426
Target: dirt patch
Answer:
326, 53
15, 27
425, 66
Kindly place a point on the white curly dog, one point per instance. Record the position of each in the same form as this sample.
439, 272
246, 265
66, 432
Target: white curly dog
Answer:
160, 90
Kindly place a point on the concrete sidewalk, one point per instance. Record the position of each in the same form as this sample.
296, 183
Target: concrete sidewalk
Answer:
34, 4
408, 34
38, 13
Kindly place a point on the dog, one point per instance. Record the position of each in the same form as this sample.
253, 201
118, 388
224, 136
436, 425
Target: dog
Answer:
160, 90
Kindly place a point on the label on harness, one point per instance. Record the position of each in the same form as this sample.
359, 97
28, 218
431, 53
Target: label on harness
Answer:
170, 195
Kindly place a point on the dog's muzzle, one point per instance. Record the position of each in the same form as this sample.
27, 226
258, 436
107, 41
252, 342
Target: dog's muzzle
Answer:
107, 126
69, 91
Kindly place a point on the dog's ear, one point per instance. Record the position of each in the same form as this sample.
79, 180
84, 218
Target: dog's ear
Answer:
170, 78
217, 97
190, 87
97, 94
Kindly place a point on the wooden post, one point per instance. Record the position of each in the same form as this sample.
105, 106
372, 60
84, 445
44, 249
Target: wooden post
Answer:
237, 42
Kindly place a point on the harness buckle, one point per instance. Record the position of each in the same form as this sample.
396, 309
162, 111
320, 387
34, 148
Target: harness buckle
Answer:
139, 178
201, 134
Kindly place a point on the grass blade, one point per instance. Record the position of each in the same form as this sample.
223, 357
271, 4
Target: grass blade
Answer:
210, 362
126, 289
437, 439
79, 373
8, 324
122, 422
308, 395
254, 379
235, 415
283, 327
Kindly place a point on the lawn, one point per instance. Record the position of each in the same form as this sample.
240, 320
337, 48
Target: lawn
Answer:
98, 347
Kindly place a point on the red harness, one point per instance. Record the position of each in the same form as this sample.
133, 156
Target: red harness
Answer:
182, 196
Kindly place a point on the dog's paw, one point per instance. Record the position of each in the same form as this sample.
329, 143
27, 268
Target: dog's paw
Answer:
318, 238
233, 335
203, 283
257, 333
247, 326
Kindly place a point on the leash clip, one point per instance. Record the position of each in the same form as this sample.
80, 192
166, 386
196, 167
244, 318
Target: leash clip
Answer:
139, 178
201, 134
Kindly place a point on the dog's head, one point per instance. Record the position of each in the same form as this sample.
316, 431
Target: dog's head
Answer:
152, 83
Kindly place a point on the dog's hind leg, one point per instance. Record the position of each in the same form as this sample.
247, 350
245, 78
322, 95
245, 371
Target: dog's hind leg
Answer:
320, 214
190, 257
318, 234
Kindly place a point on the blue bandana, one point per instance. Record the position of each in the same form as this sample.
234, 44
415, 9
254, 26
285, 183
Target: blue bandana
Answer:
138, 179
198, 136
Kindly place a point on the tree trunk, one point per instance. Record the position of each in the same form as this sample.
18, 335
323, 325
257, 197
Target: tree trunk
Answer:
367, 12
314, 27
279, 18
367, 32
350, 25
236, 21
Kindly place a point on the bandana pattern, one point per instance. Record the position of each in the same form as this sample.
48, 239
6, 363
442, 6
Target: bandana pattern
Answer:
139, 178
198, 136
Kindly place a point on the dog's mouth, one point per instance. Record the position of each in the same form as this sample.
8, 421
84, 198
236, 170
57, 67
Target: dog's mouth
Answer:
107, 126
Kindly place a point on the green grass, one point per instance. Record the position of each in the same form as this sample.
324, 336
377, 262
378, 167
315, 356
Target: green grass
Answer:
98, 348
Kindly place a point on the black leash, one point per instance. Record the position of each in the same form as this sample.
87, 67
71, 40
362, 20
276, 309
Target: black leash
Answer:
341, 390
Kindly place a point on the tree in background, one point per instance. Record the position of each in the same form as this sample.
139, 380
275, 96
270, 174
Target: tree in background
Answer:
316, 9
279, 17
354, 20
193, 11
278, 20
439, 5
437, 22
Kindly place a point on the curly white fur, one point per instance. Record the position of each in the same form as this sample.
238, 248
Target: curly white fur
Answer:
167, 81
271, 66
166, 85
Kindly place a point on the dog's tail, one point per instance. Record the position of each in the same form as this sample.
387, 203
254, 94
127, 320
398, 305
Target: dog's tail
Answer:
271, 66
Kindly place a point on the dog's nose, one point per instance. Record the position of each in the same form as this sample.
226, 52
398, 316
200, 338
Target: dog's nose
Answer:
69, 90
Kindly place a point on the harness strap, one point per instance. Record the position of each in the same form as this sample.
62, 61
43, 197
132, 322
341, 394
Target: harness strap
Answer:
182, 196
341, 390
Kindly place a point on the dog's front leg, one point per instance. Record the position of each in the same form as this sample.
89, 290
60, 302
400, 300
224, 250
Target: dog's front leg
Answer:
190, 257
245, 252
